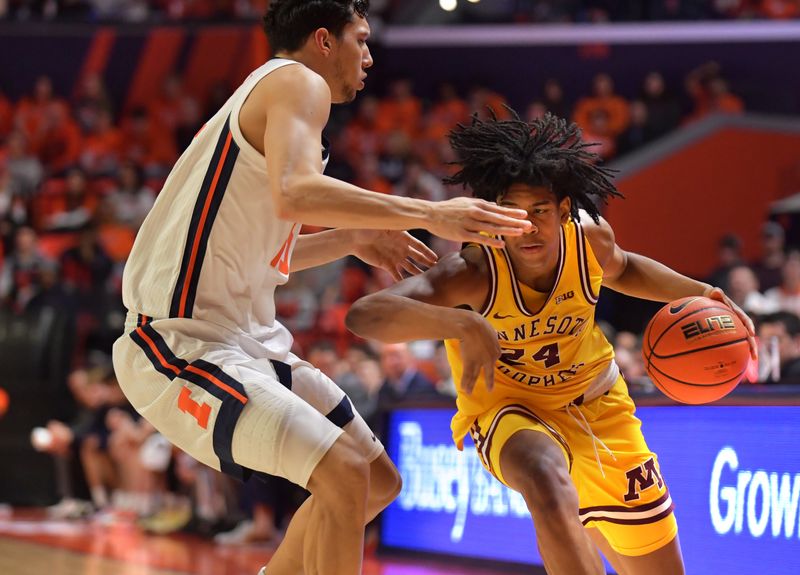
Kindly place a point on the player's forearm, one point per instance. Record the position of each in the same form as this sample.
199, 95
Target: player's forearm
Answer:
392, 318
323, 201
648, 279
320, 248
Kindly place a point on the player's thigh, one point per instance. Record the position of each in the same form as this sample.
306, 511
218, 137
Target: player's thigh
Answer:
319, 391
512, 440
622, 494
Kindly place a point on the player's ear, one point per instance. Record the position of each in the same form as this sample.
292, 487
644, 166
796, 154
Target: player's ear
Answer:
565, 209
322, 40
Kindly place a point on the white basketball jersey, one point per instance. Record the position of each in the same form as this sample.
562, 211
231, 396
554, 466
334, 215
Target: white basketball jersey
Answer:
213, 247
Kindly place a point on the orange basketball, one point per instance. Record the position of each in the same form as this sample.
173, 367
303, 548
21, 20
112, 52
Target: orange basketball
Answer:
695, 350
3, 402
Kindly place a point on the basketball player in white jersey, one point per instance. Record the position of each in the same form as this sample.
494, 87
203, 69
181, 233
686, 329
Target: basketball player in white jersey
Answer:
203, 358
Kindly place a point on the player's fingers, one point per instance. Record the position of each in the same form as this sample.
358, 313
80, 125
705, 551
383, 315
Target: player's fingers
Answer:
516, 225
410, 267
492, 242
488, 375
395, 271
498, 230
426, 254
468, 378
514, 213
751, 340
423, 259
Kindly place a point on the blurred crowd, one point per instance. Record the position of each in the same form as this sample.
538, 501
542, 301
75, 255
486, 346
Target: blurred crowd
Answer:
392, 11
600, 11
78, 175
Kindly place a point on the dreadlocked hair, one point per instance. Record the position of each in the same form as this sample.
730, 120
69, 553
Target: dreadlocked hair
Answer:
494, 154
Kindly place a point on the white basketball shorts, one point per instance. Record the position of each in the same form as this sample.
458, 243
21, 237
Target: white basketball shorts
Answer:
234, 410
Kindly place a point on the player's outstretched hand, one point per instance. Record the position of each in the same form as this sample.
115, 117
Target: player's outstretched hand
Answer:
463, 220
479, 352
719, 295
393, 251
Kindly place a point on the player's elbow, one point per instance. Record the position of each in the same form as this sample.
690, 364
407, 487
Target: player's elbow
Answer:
291, 197
363, 317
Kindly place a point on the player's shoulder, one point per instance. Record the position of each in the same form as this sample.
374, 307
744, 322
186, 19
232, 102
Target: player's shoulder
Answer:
293, 83
595, 231
600, 236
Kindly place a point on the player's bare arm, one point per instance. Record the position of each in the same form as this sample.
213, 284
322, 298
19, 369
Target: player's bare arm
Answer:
437, 304
397, 252
296, 111
639, 276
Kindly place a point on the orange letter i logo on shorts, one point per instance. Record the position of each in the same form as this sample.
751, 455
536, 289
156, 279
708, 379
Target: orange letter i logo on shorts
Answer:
200, 411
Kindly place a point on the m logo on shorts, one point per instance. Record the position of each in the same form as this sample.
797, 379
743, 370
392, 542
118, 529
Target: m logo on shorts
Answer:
642, 477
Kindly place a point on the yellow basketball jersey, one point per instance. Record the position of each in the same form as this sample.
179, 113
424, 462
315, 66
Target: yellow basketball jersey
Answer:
551, 353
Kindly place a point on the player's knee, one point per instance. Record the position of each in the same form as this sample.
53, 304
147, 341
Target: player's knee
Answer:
343, 464
548, 489
387, 488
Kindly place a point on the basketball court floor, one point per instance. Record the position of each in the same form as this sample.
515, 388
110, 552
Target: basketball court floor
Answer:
33, 545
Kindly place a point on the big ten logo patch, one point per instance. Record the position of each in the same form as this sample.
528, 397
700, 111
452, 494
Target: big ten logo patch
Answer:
642, 477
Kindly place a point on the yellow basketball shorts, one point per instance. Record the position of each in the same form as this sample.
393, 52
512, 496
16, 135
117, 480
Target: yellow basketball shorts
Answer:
628, 500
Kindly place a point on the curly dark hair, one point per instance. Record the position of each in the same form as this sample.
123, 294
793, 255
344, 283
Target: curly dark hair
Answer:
494, 154
288, 23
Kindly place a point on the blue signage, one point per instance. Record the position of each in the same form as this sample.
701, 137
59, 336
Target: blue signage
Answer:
733, 473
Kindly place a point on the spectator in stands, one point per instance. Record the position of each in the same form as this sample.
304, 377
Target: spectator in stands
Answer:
131, 198
60, 142
401, 110
446, 386
296, 306
554, 100
368, 174
729, 254
535, 110
361, 136
779, 334
402, 378
710, 92
663, 109
33, 112
481, 100
24, 169
102, 146
448, 110
78, 204
628, 355
91, 100
20, 277
598, 133
148, 147
96, 392
639, 131
603, 101
363, 384
6, 115
392, 161
779, 9
743, 290
768, 267
786, 297
417, 182
13, 214
175, 114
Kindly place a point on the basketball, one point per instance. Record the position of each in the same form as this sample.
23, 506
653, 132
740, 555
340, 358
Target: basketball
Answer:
695, 350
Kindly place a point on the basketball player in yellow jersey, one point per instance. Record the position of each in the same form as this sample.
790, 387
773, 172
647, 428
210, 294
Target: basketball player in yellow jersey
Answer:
539, 390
